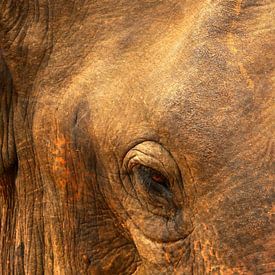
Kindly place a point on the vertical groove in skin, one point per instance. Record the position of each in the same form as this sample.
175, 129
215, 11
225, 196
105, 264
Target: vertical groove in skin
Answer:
23, 33
7, 152
8, 173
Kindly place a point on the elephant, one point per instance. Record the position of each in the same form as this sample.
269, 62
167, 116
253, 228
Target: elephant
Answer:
137, 137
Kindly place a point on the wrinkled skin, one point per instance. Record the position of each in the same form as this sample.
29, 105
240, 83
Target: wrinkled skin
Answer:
137, 137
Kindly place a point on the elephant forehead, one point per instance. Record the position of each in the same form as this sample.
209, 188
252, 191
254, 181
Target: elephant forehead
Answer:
184, 83
171, 116
170, 96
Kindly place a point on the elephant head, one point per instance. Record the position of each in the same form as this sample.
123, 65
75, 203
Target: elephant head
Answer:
137, 137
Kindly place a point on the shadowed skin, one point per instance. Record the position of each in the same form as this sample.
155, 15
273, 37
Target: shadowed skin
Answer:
137, 137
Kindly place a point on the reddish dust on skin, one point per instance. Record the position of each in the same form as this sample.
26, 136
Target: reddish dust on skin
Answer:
59, 164
64, 178
272, 211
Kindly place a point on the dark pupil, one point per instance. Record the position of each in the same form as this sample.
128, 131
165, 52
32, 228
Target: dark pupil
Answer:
158, 178
154, 180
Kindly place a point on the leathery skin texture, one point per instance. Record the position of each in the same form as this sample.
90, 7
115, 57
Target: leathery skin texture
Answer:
137, 137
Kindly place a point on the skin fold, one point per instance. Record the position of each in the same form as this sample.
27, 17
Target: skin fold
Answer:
137, 137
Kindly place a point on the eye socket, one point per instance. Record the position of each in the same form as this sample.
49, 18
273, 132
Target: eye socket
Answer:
154, 181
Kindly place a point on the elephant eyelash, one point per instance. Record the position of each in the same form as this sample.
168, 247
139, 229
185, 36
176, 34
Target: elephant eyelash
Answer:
154, 181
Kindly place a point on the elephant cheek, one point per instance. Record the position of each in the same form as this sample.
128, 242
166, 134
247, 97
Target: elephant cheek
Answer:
162, 258
151, 252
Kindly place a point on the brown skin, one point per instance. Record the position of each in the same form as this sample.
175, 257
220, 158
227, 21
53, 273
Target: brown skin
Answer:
137, 137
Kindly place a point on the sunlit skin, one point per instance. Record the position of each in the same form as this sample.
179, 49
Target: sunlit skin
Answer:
137, 137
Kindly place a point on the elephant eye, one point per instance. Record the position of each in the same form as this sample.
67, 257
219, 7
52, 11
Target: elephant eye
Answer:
154, 181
